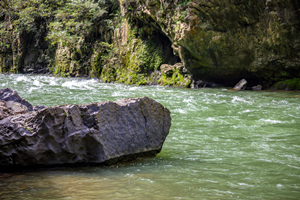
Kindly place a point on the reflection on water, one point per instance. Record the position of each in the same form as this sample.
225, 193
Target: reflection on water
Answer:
222, 145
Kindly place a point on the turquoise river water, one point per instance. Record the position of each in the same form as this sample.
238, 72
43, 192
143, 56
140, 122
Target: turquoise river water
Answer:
222, 145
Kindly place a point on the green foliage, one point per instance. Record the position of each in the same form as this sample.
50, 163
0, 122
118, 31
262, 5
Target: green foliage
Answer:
183, 2
73, 22
5, 39
149, 56
177, 79
24, 14
68, 20
29, 129
101, 55
145, 54
183, 14
108, 74
71, 29
291, 84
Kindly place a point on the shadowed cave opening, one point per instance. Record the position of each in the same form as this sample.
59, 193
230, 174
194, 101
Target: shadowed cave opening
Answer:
155, 40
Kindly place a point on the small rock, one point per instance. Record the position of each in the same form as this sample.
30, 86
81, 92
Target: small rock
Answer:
241, 85
167, 69
198, 84
257, 87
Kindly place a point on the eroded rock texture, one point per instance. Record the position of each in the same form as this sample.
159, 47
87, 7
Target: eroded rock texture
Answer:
82, 134
226, 40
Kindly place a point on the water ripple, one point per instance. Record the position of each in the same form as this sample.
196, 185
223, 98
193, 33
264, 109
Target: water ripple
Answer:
222, 145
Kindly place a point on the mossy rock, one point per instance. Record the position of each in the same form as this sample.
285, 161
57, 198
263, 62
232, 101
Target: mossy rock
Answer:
173, 75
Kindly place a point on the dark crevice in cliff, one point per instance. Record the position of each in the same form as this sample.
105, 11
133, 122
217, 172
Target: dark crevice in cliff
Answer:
34, 48
167, 50
149, 31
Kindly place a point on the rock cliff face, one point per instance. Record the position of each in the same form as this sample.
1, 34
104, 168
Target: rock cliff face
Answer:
219, 41
224, 41
79, 134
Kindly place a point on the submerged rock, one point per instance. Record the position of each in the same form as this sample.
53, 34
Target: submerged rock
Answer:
82, 134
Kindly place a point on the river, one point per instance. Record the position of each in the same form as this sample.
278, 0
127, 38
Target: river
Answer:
222, 145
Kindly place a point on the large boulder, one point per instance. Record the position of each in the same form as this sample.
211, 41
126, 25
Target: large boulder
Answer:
94, 133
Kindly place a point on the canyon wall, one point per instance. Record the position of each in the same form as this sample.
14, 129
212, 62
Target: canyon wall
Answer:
182, 42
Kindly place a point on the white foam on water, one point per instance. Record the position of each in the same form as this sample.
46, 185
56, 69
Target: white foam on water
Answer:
75, 84
68, 84
294, 116
271, 121
237, 99
32, 89
211, 119
133, 88
283, 102
245, 111
245, 184
179, 110
147, 179
189, 100
174, 138
116, 94
89, 81
86, 86
80, 84
52, 82
292, 166
279, 185
217, 101
106, 86
235, 126
37, 83
21, 78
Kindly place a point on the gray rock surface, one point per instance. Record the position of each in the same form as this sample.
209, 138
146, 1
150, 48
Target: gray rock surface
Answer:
81, 134
257, 87
241, 85
8, 94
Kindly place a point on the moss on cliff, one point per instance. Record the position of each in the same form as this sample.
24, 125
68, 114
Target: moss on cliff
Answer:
102, 52
127, 41
291, 84
224, 41
140, 51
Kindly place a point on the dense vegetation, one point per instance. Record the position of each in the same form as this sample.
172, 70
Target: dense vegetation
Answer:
69, 25
128, 41
68, 21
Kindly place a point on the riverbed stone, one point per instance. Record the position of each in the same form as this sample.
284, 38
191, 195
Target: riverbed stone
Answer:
105, 132
241, 85
257, 87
